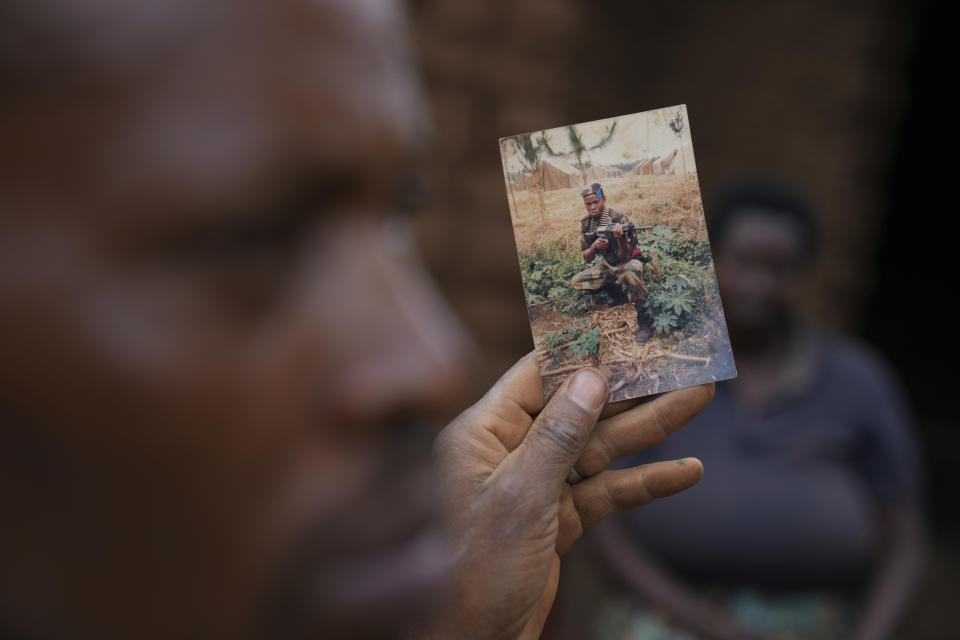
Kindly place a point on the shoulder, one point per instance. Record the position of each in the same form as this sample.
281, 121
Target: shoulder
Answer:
852, 355
867, 392
616, 216
585, 222
863, 370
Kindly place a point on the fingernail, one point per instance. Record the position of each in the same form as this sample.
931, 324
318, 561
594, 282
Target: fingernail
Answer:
588, 390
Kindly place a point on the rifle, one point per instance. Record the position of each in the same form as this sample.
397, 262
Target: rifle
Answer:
607, 232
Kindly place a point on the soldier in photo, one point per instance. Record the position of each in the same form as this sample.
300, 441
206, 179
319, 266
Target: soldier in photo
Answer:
611, 236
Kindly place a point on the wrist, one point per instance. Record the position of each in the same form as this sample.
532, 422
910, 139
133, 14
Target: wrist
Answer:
464, 612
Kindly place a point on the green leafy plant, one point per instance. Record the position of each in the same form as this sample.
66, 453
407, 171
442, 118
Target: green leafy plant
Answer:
674, 303
572, 340
683, 262
669, 243
664, 322
587, 344
547, 272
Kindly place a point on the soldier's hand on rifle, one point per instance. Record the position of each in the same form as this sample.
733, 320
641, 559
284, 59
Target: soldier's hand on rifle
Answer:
600, 243
617, 230
511, 509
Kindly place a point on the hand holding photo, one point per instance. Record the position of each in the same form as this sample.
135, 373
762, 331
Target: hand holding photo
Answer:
614, 254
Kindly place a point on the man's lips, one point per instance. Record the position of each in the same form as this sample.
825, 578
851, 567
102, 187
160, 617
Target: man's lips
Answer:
377, 562
389, 584
403, 566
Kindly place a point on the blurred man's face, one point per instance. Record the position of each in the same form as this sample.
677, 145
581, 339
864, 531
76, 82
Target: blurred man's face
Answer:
594, 205
759, 270
215, 333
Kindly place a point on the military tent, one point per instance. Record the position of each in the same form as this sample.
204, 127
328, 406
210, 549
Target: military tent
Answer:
644, 167
665, 163
599, 173
547, 176
552, 177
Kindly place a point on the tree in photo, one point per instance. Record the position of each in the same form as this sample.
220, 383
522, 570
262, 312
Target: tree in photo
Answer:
677, 125
578, 148
531, 151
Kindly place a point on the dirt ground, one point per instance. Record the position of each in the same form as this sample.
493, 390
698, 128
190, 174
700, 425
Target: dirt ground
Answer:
665, 362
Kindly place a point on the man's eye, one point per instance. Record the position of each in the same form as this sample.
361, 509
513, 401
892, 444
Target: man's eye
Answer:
270, 230
242, 273
242, 253
245, 265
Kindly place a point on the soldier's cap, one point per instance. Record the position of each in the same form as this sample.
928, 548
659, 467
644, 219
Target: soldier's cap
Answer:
594, 189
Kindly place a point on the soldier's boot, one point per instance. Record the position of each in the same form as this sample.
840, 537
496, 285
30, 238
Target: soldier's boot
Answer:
644, 326
615, 295
595, 303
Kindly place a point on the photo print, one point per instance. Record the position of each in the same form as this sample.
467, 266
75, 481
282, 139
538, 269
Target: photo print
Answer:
614, 254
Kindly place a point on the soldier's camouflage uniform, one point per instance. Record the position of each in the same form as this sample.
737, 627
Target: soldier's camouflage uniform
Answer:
611, 268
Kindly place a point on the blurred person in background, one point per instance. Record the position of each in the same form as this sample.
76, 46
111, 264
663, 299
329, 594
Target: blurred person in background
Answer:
220, 354
811, 525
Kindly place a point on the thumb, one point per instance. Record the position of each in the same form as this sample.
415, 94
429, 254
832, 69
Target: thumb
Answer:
559, 433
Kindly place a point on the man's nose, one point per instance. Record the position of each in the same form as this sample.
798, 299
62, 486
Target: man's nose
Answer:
394, 344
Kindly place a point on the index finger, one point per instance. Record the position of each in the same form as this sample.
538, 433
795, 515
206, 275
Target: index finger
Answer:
613, 408
641, 427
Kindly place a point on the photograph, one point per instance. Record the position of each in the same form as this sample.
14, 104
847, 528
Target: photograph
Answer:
614, 254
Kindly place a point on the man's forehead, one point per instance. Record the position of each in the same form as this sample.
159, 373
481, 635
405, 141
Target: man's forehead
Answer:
365, 65
215, 98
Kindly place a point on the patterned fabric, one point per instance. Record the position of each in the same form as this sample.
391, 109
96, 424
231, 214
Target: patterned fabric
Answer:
797, 615
628, 275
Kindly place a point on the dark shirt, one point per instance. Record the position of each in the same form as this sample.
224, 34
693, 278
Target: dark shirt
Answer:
613, 251
791, 492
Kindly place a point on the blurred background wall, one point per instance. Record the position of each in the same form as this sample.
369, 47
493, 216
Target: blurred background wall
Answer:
809, 91
846, 100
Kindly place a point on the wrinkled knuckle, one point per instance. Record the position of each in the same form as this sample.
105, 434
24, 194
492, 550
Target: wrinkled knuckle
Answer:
608, 451
614, 497
636, 492
596, 455
628, 491
601, 503
660, 421
592, 460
